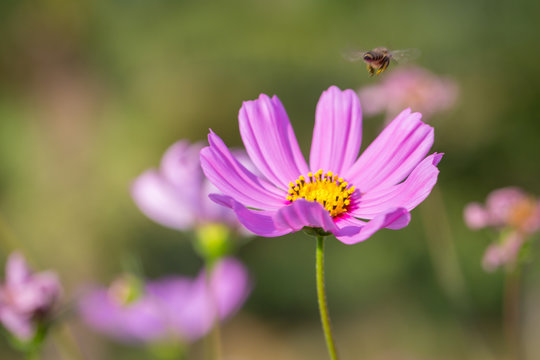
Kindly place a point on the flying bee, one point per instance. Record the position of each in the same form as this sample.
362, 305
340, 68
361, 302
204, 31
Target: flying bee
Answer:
378, 59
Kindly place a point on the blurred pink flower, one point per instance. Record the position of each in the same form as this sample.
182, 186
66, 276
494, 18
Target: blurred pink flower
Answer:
506, 252
25, 297
511, 211
391, 177
508, 207
176, 194
412, 87
168, 308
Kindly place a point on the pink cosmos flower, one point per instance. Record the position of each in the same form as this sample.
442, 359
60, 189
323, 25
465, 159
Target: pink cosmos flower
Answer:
412, 87
337, 189
176, 194
168, 308
511, 211
25, 297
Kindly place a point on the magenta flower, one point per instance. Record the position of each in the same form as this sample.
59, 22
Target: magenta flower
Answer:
176, 195
168, 308
336, 190
511, 211
26, 298
412, 87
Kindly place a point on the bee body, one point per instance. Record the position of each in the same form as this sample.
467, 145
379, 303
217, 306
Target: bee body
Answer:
378, 59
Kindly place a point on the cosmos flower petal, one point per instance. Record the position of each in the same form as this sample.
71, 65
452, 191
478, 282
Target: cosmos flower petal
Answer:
231, 177
162, 202
43, 289
289, 218
393, 154
26, 297
191, 304
338, 131
353, 231
231, 286
270, 140
17, 270
185, 303
302, 213
20, 325
180, 166
408, 194
140, 321
259, 222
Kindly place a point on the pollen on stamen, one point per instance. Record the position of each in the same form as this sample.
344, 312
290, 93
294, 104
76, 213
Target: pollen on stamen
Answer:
328, 189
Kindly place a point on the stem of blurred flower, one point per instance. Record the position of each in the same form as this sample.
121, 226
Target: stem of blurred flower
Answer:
512, 313
212, 243
32, 355
448, 272
441, 248
213, 339
167, 351
67, 344
321, 296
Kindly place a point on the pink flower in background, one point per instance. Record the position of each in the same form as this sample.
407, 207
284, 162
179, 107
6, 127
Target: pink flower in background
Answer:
168, 308
176, 194
26, 297
412, 87
391, 177
511, 211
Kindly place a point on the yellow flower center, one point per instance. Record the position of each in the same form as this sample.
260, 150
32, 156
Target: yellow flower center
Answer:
328, 189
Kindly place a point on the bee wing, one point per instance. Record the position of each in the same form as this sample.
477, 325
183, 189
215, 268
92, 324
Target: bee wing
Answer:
405, 55
354, 55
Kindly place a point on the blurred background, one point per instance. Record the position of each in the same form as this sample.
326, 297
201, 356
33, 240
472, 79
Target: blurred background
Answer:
92, 92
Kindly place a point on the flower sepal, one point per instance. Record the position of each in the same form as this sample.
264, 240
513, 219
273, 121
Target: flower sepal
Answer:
315, 231
167, 350
212, 242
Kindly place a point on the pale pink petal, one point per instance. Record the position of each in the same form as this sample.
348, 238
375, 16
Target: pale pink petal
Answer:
501, 202
17, 270
408, 194
230, 286
259, 222
20, 325
475, 216
353, 231
338, 131
504, 253
393, 154
212, 212
185, 303
140, 321
231, 177
162, 202
180, 166
270, 141
38, 294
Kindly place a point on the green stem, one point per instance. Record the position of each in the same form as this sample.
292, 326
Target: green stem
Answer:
512, 313
32, 355
214, 337
66, 343
321, 296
